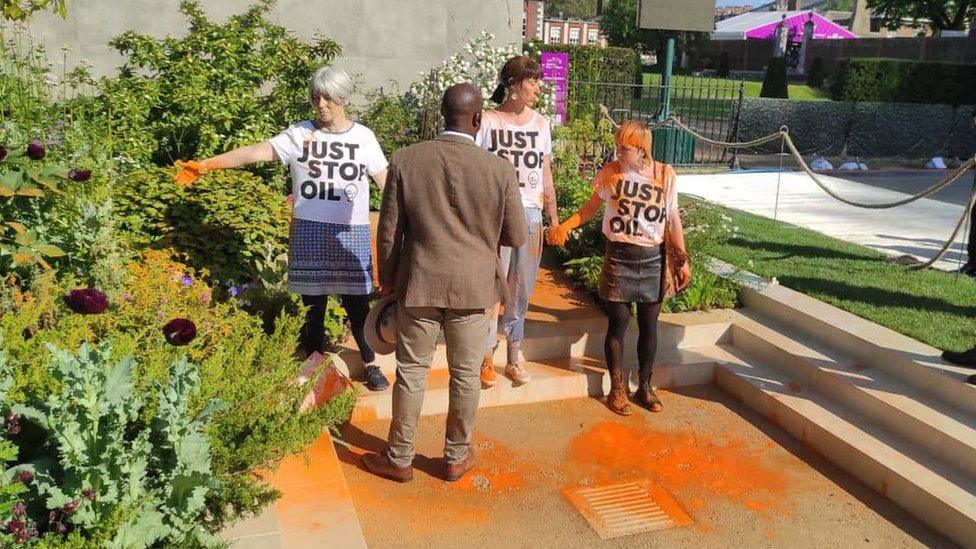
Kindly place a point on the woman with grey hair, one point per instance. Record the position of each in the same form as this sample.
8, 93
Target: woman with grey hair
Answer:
330, 159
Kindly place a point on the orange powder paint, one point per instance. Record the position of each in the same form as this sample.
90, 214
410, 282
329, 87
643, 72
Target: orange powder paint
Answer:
499, 469
675, 460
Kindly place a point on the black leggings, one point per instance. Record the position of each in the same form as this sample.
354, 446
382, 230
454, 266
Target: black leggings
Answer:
313, 333
613, 346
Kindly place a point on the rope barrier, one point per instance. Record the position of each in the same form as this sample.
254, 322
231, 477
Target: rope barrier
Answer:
784, 135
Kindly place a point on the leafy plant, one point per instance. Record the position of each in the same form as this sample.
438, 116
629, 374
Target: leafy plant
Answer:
23, 177
817, 73
218, 87
479, 64
227, 222
98, 462
239, 363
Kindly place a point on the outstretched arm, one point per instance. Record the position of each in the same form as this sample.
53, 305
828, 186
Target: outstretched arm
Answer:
558, 236
258, 152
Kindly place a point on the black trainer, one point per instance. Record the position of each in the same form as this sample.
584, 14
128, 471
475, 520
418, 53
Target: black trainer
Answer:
375, 380
971, 380
966, 358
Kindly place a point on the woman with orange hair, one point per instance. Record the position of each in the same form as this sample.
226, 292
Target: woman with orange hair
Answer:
641, 226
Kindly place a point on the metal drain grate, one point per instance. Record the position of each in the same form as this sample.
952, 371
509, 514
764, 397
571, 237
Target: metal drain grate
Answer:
616, 510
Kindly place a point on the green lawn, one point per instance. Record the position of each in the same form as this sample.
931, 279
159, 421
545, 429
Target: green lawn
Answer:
799, 92
934, 307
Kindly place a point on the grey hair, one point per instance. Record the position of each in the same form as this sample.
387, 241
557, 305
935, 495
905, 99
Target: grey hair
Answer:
331, 82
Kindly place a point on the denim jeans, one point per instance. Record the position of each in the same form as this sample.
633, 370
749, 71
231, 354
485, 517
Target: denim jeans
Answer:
521, 265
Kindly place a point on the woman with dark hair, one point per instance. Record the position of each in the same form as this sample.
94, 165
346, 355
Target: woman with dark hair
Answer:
519, 134
331, 159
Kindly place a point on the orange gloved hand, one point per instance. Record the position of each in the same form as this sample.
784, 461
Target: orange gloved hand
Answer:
190, 170
557, 236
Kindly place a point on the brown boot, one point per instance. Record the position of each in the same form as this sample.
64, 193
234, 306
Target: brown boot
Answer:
454, 471
646, 397
617, 399
380, 465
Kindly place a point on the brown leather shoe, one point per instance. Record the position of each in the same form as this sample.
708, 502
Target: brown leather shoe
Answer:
454, 471
380, 465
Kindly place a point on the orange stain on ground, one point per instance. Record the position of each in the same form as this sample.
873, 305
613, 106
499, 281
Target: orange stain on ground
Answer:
498, 470
722, 467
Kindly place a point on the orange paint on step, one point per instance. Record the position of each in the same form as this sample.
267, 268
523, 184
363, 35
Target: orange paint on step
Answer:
727, 469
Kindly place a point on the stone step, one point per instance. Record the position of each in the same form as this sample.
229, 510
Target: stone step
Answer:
943, 431
870, 345
556, 379
547, 339
944, 500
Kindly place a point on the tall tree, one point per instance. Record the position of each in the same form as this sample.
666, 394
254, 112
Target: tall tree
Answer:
571, 8
619, 25
937, 14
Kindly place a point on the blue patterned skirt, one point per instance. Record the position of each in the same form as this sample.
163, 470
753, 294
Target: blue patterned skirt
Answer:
329, 258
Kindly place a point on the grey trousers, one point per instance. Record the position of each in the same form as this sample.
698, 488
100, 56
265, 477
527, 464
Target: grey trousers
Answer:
417, 331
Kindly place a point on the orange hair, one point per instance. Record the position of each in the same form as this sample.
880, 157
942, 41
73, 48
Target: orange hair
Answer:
631, 133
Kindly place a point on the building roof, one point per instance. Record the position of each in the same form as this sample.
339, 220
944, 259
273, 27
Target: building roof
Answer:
761, 25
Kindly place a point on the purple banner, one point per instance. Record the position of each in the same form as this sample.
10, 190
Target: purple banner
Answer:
823, 29
555, 72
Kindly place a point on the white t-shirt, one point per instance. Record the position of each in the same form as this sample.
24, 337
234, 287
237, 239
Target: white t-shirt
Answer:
635, 206
329, 171
525, 146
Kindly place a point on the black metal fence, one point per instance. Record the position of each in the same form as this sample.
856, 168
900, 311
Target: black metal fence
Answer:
710, 106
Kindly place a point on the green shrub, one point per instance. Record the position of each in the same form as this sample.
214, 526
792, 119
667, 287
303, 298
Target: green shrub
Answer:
395, 125
818, 74
100, 467
816, 127
218, 87
775, 83
900, 129
591, 68
227, 222
239, 363
899, 80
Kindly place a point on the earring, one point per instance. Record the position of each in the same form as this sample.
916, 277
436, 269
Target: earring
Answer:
640, 164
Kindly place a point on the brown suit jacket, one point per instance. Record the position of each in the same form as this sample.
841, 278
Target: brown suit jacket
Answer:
447, 207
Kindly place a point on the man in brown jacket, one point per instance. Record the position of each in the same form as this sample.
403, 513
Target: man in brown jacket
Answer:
447, 207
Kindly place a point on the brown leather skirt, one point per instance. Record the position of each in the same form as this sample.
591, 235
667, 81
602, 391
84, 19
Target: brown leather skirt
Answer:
631, 273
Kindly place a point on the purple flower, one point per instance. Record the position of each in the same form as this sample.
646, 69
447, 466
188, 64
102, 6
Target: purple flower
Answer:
180, 331
88, 494
14, 527
87, 301
79, 175
19, 509
3, 152
25, 476
70, 507
35, 150
234, 290
187, 280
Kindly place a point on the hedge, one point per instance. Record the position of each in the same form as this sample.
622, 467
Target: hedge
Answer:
595, 64
817, 127
867, 129
898, 80
596, 75
962, 144
900, 129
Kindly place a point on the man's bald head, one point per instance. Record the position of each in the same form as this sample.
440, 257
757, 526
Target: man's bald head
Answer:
461, 107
